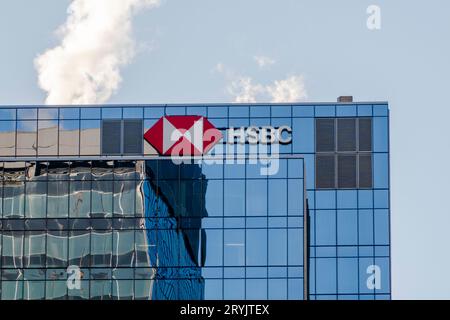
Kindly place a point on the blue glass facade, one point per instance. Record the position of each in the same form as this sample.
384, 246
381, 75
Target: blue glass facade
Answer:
139, 226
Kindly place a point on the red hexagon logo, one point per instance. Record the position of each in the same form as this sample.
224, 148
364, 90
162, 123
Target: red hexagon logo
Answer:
183, 135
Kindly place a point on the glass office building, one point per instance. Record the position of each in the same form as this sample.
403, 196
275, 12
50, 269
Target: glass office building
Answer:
91, 210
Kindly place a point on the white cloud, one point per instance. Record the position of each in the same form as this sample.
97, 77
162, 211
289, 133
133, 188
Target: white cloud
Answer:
263, 61
243, 89
288, 90
95, 43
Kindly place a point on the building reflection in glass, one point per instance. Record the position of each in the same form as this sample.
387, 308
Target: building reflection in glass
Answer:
116, 221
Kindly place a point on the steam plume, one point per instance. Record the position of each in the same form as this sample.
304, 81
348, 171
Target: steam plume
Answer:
95, 43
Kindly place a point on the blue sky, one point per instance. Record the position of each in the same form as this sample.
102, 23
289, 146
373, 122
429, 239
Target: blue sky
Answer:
406, 62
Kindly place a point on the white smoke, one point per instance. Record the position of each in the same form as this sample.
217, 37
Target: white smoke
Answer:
243, 89
95, 43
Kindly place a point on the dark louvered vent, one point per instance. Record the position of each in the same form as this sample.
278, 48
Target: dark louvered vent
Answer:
111, 137
346, 134
365, 134
325, 171
132, 136
347, 171
325, 139
365, 171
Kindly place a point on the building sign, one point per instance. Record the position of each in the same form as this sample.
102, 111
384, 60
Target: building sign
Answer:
196, 135
183, 135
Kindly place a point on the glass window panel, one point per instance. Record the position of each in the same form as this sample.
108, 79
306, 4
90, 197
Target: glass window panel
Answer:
256, 289
133, 113
347, 171
69, 137
234, 247
325, 135
348, 275
12, 290
7, 114
111, 113
101, 289
101, 249
364, 110
380, 134
197, 111
213, 289
325, 227
154, 112
34, 249
34, 290
325, 171
365, 227
365, 171
346, 131
381, 227
365, 134
346, 110
347, 227
48, 113
295, 246
13, 199
90, 113
238, 111
325, 199
381, 199
295, 197
380, 110
326, 275
381, 170
277, 197
281, 111
27, 114
90, 137
26, 138
384, 265
7, 138
58, 199
256, 247
214, 248
234, 289
123, 289
123, 248
257, 198
36, 199
260, 111
277, 289
12, 249
347, 199
234, 194
143, 289
69, 113
175, 111
80, 198
303, 111
214, 198
124, 197
364, 264
295, 289
79, 248
48, 138
325, 111
217, 111
57, 245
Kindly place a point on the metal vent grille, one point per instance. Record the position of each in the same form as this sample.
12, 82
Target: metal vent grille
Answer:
132, 136
365, 134
346, 134
325, 138
347, 171
325, 171
111, 137
365, 171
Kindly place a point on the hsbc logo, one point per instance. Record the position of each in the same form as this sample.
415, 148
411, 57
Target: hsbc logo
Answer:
183, 135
